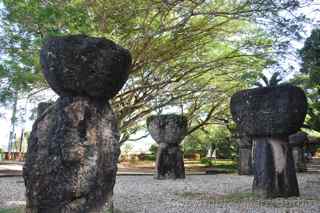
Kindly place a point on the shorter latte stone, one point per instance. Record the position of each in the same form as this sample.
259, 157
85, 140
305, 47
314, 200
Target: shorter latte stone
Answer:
168, 131
297, 142
170, 128
245, 166
79, 65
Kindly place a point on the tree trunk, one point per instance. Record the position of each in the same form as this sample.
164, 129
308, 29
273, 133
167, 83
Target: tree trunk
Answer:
21, 140
274, 174
13, 121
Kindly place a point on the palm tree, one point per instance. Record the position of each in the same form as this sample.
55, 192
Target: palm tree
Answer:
272, 82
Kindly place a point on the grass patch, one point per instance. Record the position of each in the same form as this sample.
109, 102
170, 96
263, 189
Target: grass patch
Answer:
13, 210
218, 198
118, 211
220, 164
190, 195
237, 197
230, 165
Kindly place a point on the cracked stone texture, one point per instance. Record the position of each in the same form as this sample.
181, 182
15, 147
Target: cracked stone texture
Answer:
72, 157
169, 128
270, 110
79, 65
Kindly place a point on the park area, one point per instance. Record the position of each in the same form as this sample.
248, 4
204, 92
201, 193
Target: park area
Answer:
224, 191
159, 106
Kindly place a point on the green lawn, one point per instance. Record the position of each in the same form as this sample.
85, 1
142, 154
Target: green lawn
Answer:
220, 164
14, 210
224, 164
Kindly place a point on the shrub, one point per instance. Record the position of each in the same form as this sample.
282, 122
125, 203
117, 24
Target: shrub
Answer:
206, 162
151, 157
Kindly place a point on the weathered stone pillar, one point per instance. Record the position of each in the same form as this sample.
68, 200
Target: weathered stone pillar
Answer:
245, 155
168, 131
297, 142
269, 115
73, 148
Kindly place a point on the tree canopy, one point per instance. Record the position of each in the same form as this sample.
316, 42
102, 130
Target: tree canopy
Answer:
309, 78
189, 54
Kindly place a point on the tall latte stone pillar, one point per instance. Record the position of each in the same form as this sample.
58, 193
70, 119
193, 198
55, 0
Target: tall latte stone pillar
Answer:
269, 115
297, 142
73, 148
168, 131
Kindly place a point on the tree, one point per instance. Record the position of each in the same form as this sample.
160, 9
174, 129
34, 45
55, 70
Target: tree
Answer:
272, 82
185, 53
215, 137
18, 75
127, 148
309, 78
310, 55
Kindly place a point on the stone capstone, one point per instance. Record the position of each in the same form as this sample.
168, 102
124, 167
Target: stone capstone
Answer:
169, 128
72, 157
79, 65
270, 110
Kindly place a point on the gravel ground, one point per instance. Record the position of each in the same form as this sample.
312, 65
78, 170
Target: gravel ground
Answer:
195, 194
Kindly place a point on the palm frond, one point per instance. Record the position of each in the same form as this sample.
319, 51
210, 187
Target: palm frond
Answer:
265, 80
275, 79
258, 84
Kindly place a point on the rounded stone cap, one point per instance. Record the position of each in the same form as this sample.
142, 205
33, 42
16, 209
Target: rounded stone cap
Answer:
169, 128
267, 111
78, 65
298, 139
